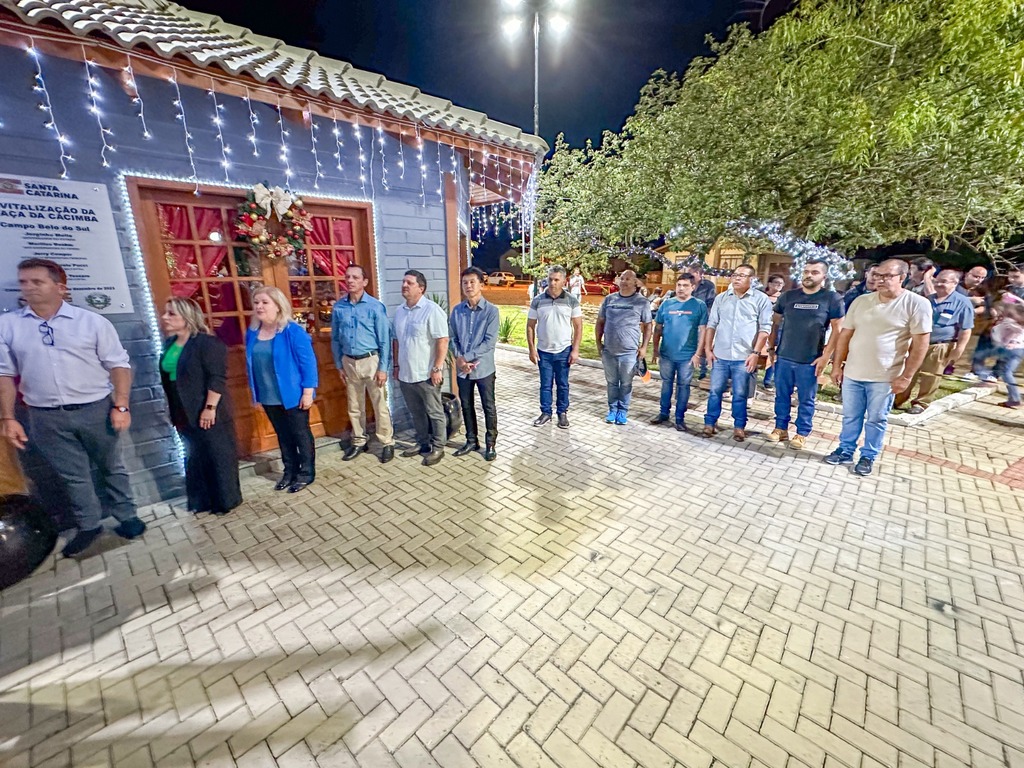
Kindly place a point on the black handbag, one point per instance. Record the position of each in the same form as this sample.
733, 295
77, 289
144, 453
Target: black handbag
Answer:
452, 413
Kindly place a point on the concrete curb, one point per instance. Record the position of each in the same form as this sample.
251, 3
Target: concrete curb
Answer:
937, 408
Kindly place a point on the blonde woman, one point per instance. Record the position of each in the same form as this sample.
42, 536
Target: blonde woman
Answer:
193, 370
283, 378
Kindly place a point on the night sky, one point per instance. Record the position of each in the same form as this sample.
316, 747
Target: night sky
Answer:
590, 81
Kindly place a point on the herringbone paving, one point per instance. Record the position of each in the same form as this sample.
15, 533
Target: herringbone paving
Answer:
602, 596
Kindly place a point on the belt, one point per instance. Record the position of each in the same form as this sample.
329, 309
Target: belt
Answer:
72, 407
361, 357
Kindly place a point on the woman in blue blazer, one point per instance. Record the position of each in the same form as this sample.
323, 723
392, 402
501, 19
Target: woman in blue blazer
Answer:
283, 378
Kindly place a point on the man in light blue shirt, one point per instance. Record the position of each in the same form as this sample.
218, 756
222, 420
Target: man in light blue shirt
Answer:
738, 329
680, 327
75, 378
420, 348
473, 330
361, 343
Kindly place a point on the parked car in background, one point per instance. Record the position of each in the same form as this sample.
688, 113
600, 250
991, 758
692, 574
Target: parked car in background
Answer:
600, 286
501, 279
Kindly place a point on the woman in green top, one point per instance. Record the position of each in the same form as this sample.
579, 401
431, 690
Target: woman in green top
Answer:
193, 370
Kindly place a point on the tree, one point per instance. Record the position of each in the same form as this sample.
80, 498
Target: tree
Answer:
855, 123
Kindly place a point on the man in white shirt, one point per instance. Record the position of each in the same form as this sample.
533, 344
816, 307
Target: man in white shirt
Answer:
554, 327
75, 378
420, 350
882, 345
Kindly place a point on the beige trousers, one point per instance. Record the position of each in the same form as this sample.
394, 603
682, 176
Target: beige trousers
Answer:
358, 383
928, 376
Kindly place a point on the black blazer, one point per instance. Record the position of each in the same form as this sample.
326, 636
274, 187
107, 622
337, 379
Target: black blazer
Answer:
202, 367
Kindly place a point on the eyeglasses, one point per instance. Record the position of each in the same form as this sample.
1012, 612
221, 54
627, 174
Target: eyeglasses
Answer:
883, 276
47, 331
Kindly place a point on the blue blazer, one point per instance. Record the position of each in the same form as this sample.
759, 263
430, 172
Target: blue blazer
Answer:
294, 363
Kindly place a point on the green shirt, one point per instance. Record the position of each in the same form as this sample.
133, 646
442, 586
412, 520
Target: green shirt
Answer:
169, 362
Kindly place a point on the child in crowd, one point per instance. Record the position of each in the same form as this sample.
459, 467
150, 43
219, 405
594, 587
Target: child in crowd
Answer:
1008, 343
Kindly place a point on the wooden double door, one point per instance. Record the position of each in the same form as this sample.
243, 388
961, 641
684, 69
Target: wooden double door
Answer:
189, 248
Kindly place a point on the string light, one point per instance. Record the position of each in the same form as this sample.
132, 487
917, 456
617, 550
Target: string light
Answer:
313, 128
423, 167
253, 122
401, 154
373, 186
839, 268
455, 168
283, 155
383, 159
180, 105
338, 143
440, 173
92, 84
132, 83
218, 121
46, 106
362, 157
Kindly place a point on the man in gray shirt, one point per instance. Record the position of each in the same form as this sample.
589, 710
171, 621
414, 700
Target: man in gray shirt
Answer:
623, 332
75, 378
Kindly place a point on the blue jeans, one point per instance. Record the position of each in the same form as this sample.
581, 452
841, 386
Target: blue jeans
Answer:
799, 376
618, 375
675, 376
1007, 362
984, 350
769, 374
721, 372
866, 406
554, 368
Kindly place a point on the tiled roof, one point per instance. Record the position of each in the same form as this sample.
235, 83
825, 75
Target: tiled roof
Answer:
171, 30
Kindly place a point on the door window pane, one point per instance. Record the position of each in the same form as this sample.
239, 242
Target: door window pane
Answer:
322, 266
228, 330
342, 231
247, 264
222, 297
192, 291
215, 260
210, 224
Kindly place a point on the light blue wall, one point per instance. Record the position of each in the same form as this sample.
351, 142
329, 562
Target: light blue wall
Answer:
410, 223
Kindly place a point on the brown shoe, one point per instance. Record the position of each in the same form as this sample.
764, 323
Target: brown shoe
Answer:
797, 442
709, 431
739, 435
777, 436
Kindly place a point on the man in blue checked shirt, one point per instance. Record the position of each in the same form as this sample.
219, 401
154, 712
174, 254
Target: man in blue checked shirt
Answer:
361, 343
473, 330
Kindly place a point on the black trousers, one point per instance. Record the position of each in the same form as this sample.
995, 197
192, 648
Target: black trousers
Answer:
467, 388
298, 453
423, 400
211, 468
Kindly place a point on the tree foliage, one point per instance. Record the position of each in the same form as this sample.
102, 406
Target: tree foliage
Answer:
855, 123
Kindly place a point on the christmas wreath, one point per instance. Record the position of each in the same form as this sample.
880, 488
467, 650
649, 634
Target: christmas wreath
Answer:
256, 225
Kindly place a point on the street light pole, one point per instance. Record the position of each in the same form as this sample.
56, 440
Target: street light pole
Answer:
536, 72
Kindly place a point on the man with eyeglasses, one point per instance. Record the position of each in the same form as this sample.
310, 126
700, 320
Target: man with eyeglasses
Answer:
75, 379
882, 344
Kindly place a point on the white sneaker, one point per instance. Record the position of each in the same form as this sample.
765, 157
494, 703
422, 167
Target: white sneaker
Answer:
970, 376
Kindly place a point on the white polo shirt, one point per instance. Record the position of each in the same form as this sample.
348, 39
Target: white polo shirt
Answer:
554, 318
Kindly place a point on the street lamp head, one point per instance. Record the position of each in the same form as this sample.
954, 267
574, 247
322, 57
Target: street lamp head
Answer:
559, 23
512, 26
563, 4
513, 5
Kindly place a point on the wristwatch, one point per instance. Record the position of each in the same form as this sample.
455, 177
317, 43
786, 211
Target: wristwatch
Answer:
121, 408
436, 370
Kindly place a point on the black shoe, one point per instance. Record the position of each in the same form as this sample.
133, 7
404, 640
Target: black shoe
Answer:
130, 529
352, 451
469, 447
659, 419
81, 542
863, 467
433, 457
681, 426
298, 485
541, 420
838, 457
563, 421
489, 453
284, 482
219, 512
387, 453
416, 450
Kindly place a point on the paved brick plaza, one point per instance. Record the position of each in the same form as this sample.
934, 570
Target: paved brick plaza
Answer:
611, 596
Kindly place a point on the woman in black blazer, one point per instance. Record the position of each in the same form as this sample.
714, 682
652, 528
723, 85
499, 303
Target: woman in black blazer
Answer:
193, 370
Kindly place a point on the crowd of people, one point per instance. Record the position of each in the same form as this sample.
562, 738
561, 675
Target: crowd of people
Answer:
887, 340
